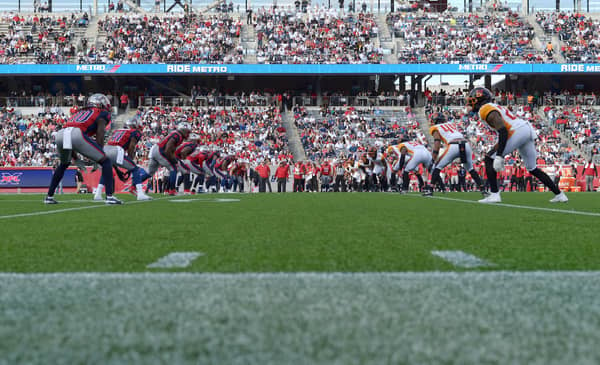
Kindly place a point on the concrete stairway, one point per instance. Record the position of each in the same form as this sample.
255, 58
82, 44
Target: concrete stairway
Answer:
293, 136
248, 41
541, 40
386, 40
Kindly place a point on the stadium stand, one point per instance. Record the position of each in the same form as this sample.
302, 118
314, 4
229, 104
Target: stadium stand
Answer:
134, 38
322, 35
464, 38
42, 38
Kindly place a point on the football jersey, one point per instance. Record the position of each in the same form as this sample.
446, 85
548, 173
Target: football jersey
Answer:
184, 145
197, 157
122, 137
411, 147
87, 120
511, 122
448, 132
175, 136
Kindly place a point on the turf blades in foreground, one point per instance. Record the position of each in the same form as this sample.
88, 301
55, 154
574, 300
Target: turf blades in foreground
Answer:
378, 318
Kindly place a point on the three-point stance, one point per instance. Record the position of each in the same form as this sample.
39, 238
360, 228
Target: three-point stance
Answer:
456, 145
76, 137
513, 134
120, 149
417, 155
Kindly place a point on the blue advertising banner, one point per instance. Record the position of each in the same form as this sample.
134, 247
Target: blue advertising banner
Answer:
187, 69
32, 177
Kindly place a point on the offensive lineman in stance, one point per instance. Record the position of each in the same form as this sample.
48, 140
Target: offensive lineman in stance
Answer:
456, 147
417, 155
92, 120
121, 141
513, 133
163, 154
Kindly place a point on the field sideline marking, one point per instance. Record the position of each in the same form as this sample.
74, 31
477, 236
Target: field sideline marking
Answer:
331, 275
576, 212
96, 205
461, 259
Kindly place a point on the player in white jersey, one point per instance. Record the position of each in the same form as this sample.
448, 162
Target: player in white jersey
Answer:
456, 145
409, 156
513, 134
379, 166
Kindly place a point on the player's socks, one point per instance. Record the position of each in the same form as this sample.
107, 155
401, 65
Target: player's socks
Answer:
405, 180
56, 178
107, 175
491, 174
545, 179
98, 194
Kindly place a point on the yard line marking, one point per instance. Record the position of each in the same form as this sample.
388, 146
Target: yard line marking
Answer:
216, 200
461, 259
576, 212
95, 205
323, 275
175, 260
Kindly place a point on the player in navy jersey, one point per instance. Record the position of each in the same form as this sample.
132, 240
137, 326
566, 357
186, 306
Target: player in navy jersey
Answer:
163, 154
84, 134
181, 153
120, 149
199, 162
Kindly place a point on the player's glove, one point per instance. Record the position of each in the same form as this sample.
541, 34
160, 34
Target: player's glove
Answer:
498, 163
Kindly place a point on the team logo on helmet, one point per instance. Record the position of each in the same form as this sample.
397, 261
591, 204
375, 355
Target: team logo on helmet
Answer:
99, 101
478, 97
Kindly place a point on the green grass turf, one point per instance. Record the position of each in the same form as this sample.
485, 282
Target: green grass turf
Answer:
370, 232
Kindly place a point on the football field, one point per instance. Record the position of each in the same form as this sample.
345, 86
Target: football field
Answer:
356, 278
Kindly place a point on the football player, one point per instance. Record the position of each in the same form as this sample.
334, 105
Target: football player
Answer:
513, 134
76, 137
163, 154
409, 155
456, 145
120, 149
181, 153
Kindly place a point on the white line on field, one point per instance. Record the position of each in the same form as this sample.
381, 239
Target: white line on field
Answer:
175, 260
461, 259
576, 212
290, 275
47, 212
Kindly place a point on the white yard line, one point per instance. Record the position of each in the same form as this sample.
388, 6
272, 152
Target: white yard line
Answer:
576, 212
96, 205
461, 259
175, 260
320, 275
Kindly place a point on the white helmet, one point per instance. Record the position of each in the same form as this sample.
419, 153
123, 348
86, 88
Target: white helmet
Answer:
99, 101
184, 126
132, 123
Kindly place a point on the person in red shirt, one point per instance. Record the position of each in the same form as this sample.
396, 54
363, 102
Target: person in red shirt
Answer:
326, 175
264, 173
299, 171
282, 174
589, 171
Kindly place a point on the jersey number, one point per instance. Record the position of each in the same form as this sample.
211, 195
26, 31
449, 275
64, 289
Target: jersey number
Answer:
82, 116
116, 137
448, 128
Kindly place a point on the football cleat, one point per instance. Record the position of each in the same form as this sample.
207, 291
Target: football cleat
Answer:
427, 191
492, 198
112, 200
142, 196
50, 200
560, 198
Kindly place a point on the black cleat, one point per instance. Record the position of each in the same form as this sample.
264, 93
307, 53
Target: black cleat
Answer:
50, 200
112, 200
